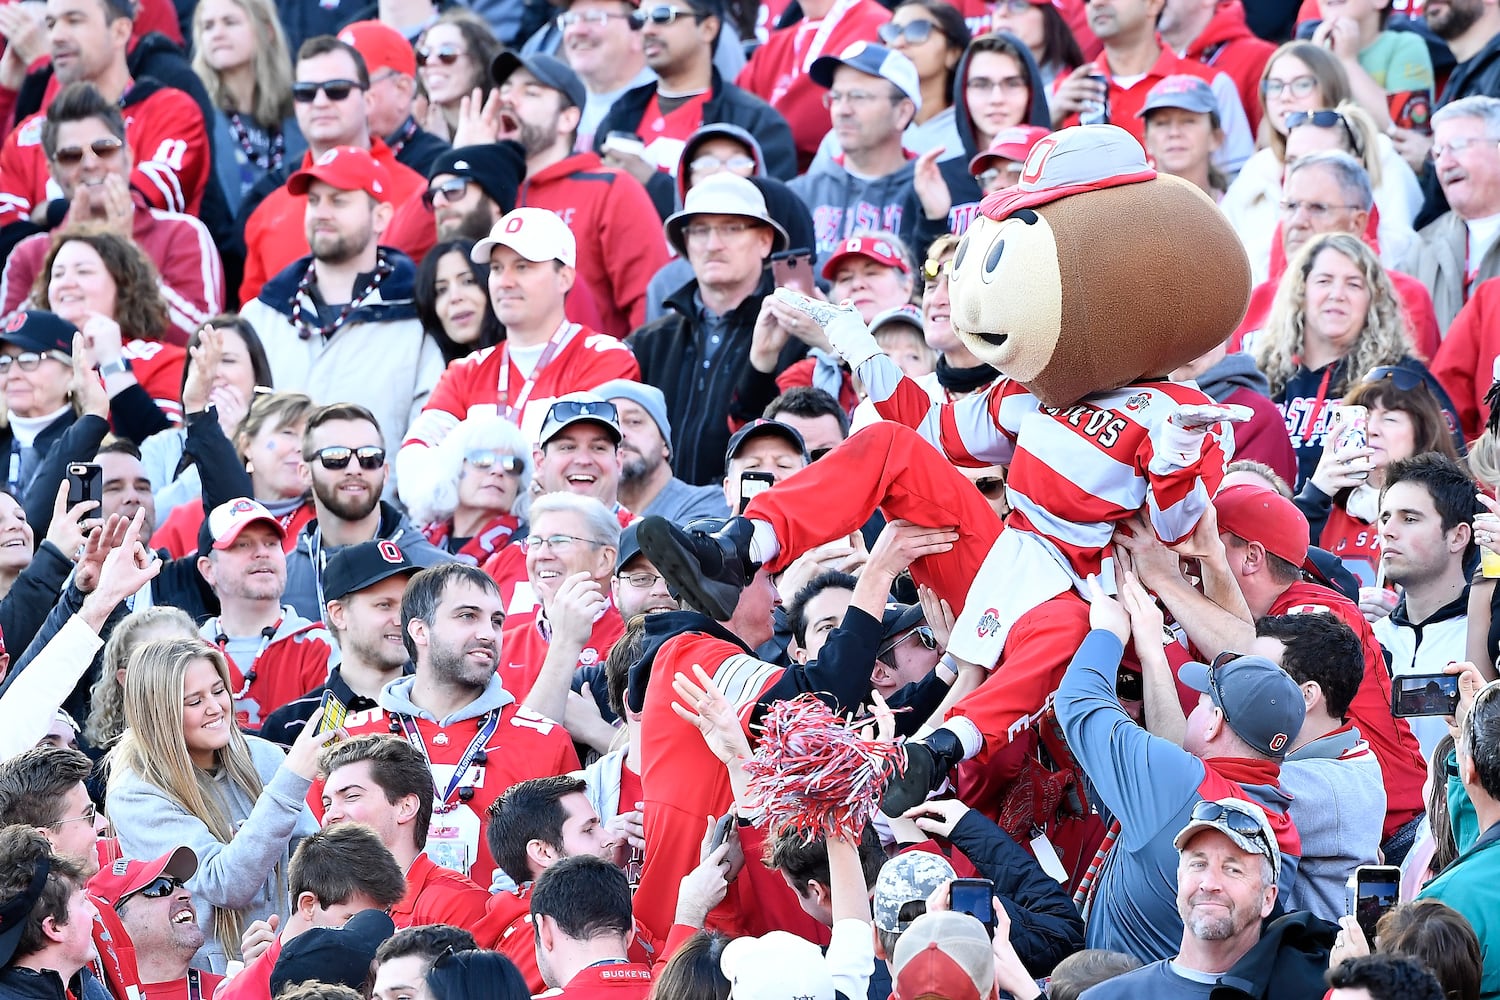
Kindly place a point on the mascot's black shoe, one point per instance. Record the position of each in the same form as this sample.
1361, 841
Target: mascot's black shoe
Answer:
928, 762
707, 565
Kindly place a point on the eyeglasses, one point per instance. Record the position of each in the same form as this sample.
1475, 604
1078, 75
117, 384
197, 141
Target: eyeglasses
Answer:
29, 361
1299, 86
1316, 210
598, 18
1327, 119
697, 232
1222, 660
337, 90
106, 149
858, 98
921, 632
1238, 820
661, 16
482, 458
816, 453
443, 55
1456, 146
90, 815
558, 543
642, 580
714, 164
447, 192
1403, 378
912, 32
570, 409
1006, 85
336, 456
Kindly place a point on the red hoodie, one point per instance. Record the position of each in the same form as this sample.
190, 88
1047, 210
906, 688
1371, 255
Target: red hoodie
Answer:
1229, 46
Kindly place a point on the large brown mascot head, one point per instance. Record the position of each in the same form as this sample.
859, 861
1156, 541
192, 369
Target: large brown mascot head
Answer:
1094, 271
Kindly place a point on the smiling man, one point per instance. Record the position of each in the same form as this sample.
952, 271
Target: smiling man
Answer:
157, 910
455, 709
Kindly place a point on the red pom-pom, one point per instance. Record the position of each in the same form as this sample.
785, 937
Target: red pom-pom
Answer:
814, 773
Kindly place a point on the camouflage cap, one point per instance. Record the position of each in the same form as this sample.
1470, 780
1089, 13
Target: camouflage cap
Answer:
904, 879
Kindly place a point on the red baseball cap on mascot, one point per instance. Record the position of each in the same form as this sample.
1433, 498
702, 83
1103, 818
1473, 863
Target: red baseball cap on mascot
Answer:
1072, 161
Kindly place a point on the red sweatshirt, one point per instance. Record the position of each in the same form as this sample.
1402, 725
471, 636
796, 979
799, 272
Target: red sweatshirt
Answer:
1465, 362
1230, 47
620, 242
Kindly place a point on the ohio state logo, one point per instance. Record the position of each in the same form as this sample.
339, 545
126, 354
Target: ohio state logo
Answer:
1138, 402
989, 623
1277, 742
16, 322
389, 552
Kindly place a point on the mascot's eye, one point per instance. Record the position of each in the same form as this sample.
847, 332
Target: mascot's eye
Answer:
958, 257
992, 259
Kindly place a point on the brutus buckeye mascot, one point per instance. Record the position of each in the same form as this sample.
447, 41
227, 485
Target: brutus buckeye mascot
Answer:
1084, 285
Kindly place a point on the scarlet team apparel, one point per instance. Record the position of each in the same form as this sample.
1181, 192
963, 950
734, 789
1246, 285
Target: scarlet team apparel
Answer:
164, 130
438, 895
123, 878
607, 981
527, 637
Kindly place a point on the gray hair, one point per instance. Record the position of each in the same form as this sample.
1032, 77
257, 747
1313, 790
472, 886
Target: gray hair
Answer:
445, 466
1486, 109
1352, 177
604, 527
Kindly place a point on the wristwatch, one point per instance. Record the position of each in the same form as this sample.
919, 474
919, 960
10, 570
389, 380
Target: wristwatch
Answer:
116, 367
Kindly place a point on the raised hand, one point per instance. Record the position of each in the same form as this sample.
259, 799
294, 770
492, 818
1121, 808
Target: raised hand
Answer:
69, 528
702, 704
842, 325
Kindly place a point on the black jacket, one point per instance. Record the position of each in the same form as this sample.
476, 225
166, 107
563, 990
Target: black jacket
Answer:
1045, 926
701, 396
1479, 74
1288, 963
726, 103
17, 983
421, 151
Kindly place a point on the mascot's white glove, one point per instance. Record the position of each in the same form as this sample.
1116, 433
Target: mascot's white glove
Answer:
1178, 440
845, 330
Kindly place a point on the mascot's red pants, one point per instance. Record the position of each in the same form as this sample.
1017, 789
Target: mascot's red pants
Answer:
890, 466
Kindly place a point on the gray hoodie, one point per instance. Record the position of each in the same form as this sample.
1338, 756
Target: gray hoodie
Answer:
236, 875
1235, 372
842, 204
305, 563
395, 699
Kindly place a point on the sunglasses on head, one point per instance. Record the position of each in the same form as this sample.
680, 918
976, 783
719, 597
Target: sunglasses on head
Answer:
1327, 119
1237, 820
106, 148
448, 192
335, 457
913, 32
337, 90
661, 16
1403, 378
568, 409
482, 458
443, 55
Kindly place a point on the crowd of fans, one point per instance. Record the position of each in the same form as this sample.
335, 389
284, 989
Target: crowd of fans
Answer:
416, 499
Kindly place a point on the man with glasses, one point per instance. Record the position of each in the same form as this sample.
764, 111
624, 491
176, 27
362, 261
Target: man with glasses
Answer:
600, 42
679, 37
609, 212
647, 484
1248, 713
43, 788
470, 188
393, 89
345, 455
156, 907
90, 160
339, 324
697, 353
331, 99
873, 94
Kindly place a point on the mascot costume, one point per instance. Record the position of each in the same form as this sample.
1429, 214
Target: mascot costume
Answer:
1084, 285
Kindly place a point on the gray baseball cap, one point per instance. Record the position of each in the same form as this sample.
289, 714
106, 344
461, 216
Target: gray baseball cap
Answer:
907, 878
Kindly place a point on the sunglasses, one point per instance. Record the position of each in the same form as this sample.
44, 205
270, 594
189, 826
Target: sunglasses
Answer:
922, 632
1404, 378
159, 888
443, 55
1327, 119
993, 487
484, 459
29, 361
335, 457
912, 32
570, 409
106, 148
447, 192
337, 90
1237, 820
661, 16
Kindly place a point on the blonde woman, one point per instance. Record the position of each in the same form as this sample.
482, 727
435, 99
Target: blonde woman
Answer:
240, 54
184, 774
106, 719
1335, 319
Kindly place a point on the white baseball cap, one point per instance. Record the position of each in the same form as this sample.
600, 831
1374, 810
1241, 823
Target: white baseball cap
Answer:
535, 233
776, 966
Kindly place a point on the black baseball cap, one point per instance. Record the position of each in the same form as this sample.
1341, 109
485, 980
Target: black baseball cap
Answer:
356, 567
40, 331
630, 546
898, 619
333, 954
549, 71
16, 910
764, 428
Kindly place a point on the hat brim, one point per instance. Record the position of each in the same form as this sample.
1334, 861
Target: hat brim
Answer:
1179, 105
911, 617
503, 65
768, 429
223, 543
1241, 841
582, 418
1195, 676
673, 229
832, 263
373, 578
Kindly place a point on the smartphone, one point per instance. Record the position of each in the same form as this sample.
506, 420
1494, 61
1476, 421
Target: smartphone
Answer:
1347, 430
334, 712
626, 144
976, 897
1129, 685
793, 269
752, 485
85, 482
1375, 890
721, 832
1424, 694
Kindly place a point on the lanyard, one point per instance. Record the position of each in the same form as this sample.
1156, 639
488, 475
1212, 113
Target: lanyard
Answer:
1319, 403
473, 754
195, 985
305, 327
248, 676
502, 390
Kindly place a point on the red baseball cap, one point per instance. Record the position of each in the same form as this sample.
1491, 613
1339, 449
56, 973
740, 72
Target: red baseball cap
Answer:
347, 168
126, 877
876, 248
382, 46
1258, 514
224, 524
1012, 144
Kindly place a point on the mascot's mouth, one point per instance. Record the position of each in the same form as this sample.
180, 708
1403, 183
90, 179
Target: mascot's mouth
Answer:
993, 339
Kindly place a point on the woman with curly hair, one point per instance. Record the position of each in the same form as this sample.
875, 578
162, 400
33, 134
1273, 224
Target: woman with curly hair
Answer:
104, 285
473, 489
106, 719
240, 54
1335, 318
453, 59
